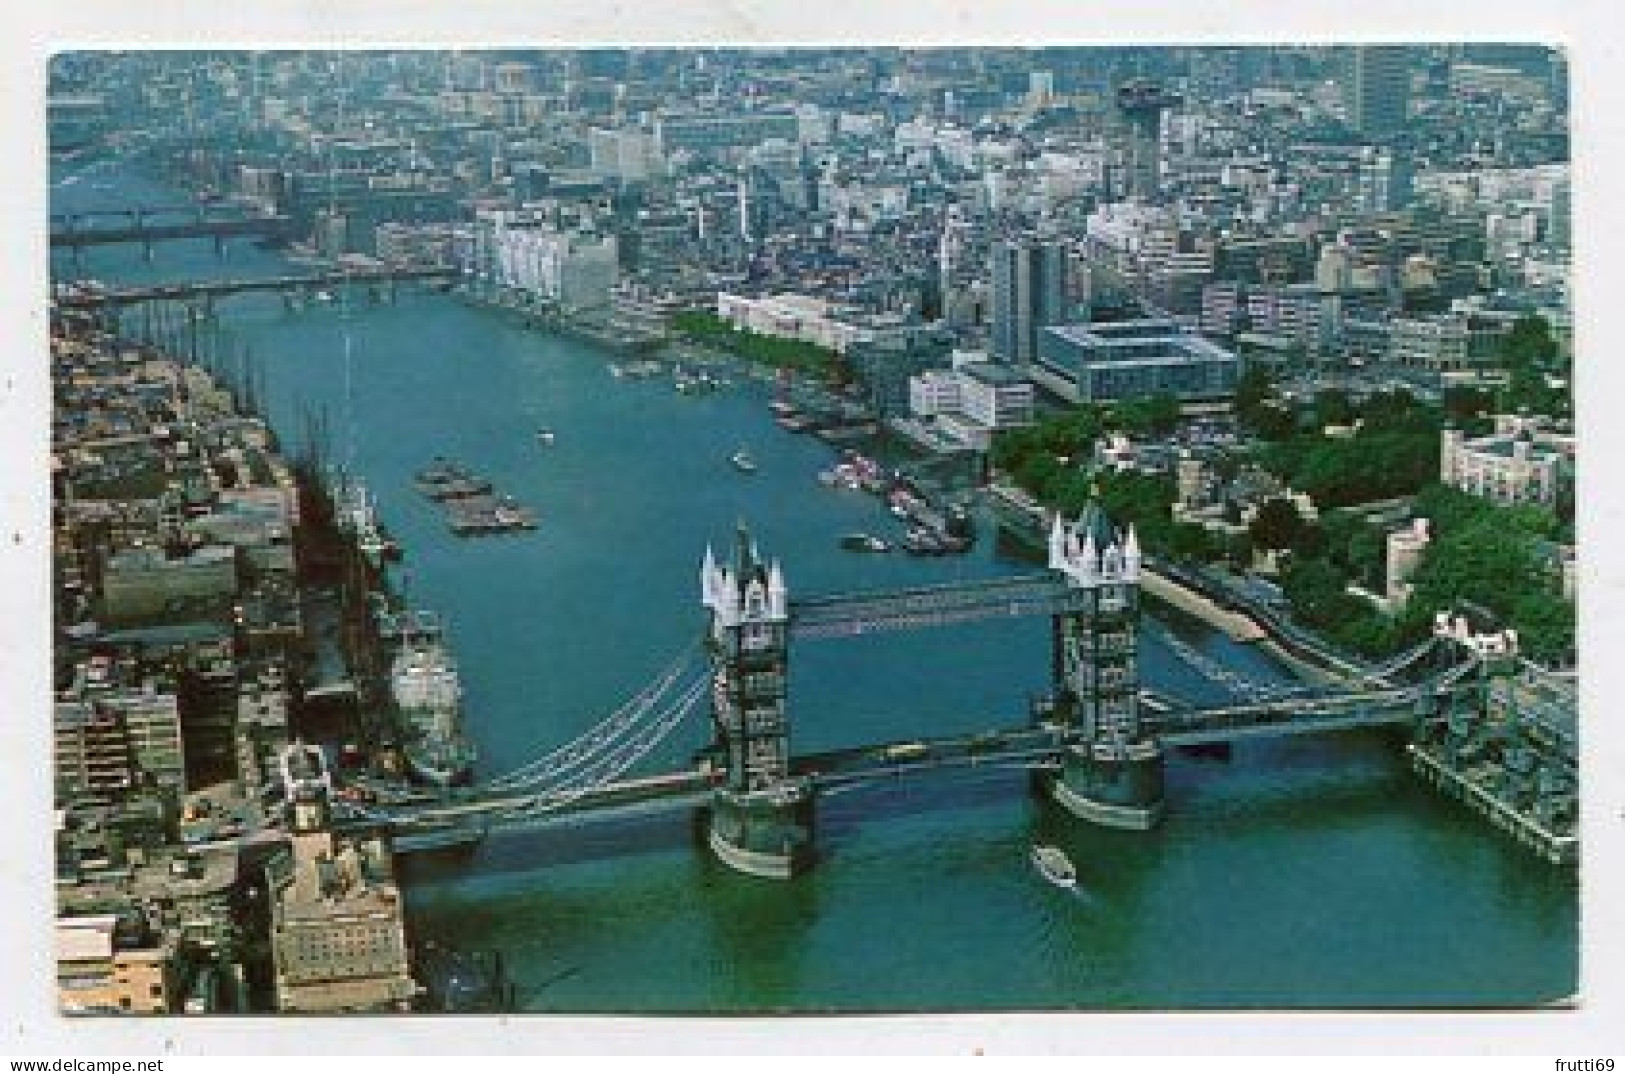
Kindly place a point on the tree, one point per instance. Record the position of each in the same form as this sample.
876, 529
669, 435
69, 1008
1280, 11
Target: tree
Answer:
1485, 562
1529, 342
1157, 415
1355, 547
1397, 411
1317, 592
1333, 407
1277, 525
1254, 391
1272, 421
1545, 625
1531, 355
1467, 407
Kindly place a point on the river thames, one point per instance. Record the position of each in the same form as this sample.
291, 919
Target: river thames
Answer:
1312, 872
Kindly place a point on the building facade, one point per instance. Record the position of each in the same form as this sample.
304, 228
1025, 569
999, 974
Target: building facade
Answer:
1125, 360
575, 270
1378, 88
1029, 294
801, 317
1520, 462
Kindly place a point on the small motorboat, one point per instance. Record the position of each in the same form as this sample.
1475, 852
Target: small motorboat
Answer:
544, 437
743, 462
864, 542
1055, 866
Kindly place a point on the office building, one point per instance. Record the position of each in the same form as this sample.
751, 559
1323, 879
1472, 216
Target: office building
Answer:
1029, 294
628, 155
1142, 104
799, 317
111, 965
1125, 360
704, 135
575, 270
1378, 89
338, 936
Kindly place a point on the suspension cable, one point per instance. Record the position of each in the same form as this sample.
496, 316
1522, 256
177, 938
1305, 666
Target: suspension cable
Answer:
582, 746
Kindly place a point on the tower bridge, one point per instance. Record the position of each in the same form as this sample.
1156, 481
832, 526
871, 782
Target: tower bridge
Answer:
1480, 725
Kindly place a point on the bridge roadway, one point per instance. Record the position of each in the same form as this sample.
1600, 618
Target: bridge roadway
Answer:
1390, 707
832, 771
629, 797
145, 232
125, 296
847, 615
135, 213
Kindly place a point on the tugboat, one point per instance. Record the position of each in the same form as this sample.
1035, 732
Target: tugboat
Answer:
1055, 866
743, 462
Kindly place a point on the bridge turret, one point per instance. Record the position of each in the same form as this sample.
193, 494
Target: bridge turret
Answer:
1112, 768
761, 816
1091, 552
307, 786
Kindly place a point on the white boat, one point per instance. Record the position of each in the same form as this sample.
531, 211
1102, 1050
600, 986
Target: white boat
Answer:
545, 436
742, 461
1056, 867
358, 516
865, 542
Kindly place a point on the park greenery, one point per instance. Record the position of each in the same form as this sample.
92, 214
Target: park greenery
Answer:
1344, 453
708, 329
1539, 373
1494, 557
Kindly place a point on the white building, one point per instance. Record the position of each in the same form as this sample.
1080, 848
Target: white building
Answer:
575, 270
1437, 343
1520, 462
972, 401
1405, 548
802, 317
628, 155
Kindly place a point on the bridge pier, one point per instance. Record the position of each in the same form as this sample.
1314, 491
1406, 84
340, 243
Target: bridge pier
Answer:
1111, 785
768, 833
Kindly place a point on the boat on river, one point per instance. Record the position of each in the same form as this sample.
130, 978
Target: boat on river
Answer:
1055, 866
427, 693
743, 461
865, 542
545, 437
443, 480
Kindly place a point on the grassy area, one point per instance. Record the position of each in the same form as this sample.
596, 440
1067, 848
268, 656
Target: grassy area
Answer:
708, 329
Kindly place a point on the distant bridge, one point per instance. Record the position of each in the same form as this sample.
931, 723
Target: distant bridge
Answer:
162, 224
207, 290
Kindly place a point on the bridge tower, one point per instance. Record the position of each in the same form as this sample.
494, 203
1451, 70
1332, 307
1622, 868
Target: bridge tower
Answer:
1112, 771
761, 817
